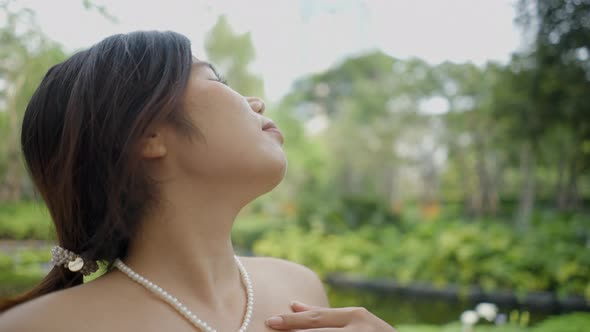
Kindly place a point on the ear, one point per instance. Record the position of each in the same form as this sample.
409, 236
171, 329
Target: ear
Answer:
153, 146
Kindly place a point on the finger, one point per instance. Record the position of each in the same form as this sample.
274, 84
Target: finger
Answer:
297, 306
314, 318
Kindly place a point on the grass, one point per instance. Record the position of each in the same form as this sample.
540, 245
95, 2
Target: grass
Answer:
574, 322
457, 328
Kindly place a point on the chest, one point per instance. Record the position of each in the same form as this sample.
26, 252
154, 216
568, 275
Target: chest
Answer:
156, 316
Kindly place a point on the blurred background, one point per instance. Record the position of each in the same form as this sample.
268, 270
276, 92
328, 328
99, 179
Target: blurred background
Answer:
439, 151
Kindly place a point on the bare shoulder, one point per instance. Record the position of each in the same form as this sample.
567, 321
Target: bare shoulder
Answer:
71, 309
55, 311
299, 281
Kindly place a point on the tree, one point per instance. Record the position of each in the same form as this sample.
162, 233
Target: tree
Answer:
232, 54
473, 137
25, 56
375, 132
558, 70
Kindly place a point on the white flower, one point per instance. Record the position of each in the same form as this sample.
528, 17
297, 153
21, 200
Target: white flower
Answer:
469, 317
489, 311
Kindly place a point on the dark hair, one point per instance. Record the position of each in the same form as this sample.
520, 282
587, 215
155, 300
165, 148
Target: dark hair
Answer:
80, 136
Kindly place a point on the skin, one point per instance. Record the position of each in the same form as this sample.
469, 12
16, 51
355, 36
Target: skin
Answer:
184, 244
320, 319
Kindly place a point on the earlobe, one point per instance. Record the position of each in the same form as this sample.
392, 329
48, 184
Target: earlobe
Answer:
153, 147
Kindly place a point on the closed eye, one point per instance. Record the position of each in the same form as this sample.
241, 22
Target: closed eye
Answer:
221, 80
218, 77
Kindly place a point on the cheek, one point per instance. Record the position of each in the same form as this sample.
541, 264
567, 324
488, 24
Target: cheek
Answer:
240, 145
241, 152
235, 145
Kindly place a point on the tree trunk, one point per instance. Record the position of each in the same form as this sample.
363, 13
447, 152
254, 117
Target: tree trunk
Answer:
560, 192
493, 185
429, 178
482, 175
571, 202
463, 168
527, 193
390, 185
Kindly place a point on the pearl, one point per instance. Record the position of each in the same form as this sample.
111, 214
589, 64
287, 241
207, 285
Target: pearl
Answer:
181, 308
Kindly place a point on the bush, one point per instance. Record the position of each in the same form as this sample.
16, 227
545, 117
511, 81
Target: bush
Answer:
22, 270
348, 212
550, 257
247, 229
322, 252
25, 220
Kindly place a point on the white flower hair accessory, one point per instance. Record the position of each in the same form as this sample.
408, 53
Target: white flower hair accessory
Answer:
72, 261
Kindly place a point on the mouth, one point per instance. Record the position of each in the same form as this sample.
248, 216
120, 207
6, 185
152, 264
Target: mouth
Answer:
271, 127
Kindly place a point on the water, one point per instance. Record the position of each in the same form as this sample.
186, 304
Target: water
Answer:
399, 309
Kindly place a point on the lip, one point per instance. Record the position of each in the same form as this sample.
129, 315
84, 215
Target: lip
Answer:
271, 127
269, 124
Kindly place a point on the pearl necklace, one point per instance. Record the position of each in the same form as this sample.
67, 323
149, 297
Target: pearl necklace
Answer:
183, 310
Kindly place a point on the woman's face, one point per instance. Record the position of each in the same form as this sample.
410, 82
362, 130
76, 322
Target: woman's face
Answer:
233, 148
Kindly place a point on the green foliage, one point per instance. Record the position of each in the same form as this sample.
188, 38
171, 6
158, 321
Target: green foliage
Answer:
337, 253
455, 327
504, 126
22, 269
348, 212
25, 220
101, 9
25, 56
249, 228
486, 253
232, 54
576, 322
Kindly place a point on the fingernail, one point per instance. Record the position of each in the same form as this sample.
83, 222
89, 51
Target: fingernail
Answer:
274, 321
293, 303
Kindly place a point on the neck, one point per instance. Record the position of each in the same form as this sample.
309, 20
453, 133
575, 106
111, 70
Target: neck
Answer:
185, 245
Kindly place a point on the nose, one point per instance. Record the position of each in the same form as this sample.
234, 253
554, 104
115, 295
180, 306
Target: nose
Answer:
256, 104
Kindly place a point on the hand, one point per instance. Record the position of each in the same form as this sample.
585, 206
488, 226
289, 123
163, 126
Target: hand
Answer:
319, 319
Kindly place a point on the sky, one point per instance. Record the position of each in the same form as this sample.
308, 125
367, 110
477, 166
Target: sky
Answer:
293, 38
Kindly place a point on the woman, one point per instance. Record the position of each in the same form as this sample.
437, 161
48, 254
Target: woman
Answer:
144, 157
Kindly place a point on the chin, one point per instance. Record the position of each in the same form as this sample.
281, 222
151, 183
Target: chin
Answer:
275, 173
278, 172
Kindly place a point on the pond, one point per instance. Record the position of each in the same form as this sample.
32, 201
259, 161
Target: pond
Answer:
399, 309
